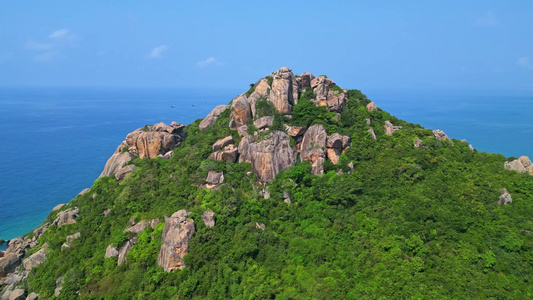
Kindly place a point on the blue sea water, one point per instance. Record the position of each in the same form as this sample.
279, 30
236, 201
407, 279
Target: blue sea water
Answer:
55, 141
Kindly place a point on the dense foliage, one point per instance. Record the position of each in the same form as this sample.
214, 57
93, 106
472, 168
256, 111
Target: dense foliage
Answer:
405, 223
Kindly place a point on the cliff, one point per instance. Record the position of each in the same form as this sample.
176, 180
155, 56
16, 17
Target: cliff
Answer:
297, 188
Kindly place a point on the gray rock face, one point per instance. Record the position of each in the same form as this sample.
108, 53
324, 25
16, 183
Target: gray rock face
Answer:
208, 217
125, 250
240, 112
139, 227
505, 197
321, 86
335, 101
32, 296
230, 154
372, 133
111, 252
440, 135
84, 191
214, 178
36, 259
13, 255
176, 235
222, 143
419, 144
295, 130
268, 156
115, 162
40, 230
390, 129
122, 172
305, 80
71, 238
58, 207
336, 144
212, 117
66, 217
262, 90
16, 294
282, 93
371, 106
264, 122
313, 146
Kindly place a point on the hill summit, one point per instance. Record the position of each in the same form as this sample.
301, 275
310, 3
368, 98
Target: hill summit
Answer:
297, 188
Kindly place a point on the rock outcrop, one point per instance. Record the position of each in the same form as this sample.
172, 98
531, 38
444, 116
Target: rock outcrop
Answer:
505, 197
139, 227
264, 122
175, 238
222, 143
313, 147
122, 172
440, 135
111, 251
214, 179
261, 91
84, 191
284, 93
521, 165
390, 129
66, 217
36, 258
268, 156
240, 112
147, 142
208, 217
419, 144
125, 250
212, 117
336, 144
371, 106
230, 153
372, 133
70, 238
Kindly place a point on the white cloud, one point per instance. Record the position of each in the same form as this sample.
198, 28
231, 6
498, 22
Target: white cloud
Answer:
489, 19
59, 34
524, 62
31, 45
53, 47
211, 61
157, 52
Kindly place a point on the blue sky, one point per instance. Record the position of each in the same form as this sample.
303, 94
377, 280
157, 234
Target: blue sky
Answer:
359, 44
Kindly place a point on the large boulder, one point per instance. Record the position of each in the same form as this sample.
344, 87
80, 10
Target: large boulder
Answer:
111, 251
240, 112
66, 217
122, 172
321, 86
261, 91
146, 142
313, 146
208, 217
505, 197
440, 135
335, 101
336, 144
125, 250
36, 259
305, 80
230, 154
222, 143
16, 294
269, 155
175, 238
212, 117
389, 128
264, 122
371, 106
13, 255
214, 178
284, 91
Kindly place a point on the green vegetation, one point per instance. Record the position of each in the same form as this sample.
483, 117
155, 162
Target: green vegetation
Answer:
405, 223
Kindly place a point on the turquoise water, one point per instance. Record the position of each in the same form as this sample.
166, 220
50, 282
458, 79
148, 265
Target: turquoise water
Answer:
55, 141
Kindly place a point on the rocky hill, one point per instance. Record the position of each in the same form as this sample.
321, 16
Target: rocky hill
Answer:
297, 188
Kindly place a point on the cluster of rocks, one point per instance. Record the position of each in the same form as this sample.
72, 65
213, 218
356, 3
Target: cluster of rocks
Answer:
10, 272
271, 153
521, 165
151, 141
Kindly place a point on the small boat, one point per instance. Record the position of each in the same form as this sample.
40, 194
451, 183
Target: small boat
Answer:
194, 105
172, 106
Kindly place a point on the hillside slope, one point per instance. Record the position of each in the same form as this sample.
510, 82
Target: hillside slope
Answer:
296, 189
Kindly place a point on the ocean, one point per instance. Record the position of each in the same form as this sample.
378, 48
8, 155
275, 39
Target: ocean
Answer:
55, 141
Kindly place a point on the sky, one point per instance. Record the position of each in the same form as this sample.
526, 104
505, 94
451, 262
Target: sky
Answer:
230, 44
